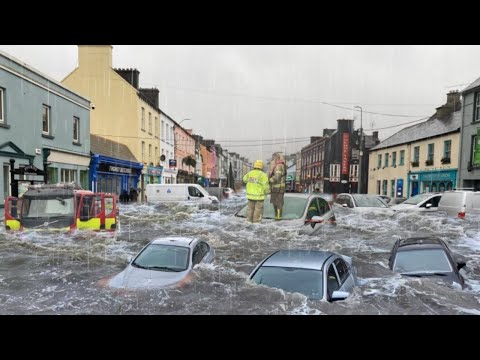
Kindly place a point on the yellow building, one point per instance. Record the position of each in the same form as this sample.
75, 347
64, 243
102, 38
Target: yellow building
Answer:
420, 158
121, 111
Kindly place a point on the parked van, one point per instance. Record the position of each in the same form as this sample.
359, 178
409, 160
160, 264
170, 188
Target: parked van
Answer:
157, 193
460, 203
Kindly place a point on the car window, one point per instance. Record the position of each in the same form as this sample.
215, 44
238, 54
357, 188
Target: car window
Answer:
304, 281
313, 209
204, 249
332, 280
421, 261
417, 199
363, 200
342, 269
198, 254
159, 256
193, 191
323, 206
348, 201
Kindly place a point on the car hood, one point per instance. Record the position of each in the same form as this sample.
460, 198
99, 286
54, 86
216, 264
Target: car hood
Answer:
137, 278
403, 207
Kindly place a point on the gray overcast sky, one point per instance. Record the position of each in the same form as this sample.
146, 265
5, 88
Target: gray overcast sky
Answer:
240, 95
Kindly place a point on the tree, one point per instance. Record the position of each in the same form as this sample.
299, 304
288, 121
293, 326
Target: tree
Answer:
189, 161
231, 179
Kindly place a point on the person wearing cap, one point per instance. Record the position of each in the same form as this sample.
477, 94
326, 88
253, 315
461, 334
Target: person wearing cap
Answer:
277, 176
257, 188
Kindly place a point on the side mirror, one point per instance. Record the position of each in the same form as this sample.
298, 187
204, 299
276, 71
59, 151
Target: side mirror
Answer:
340, 295
428, 206
461, 264
317, 219
344, 205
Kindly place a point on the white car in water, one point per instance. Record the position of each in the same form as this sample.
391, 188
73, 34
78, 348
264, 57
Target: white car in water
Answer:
426, 202
164, 262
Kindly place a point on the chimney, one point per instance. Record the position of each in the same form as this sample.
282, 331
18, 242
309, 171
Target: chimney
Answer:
328, 132
453, 100
345, 125
95, 58
152, 95
375, 135
130, 75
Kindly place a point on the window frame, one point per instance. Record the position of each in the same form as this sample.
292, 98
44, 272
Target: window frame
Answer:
76, 126
3, 121
402, 158
49, 117
476, 107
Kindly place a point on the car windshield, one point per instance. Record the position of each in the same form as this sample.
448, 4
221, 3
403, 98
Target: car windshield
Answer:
293, 208
305, 281
421, 261
163, 258
47, 207
414, 200
368, 201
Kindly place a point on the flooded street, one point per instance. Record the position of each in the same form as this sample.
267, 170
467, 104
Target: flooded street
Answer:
44, 273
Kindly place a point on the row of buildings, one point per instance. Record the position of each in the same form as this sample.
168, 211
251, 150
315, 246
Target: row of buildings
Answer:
438, 154
98, 128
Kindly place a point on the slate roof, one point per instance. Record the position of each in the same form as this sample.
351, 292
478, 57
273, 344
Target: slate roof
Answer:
102, 146
427, 129
472, 86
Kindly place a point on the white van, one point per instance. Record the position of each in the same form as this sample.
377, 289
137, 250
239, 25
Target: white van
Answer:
157, 193
460, 203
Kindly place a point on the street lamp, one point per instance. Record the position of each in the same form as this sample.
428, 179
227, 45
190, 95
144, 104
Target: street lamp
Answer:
361, 150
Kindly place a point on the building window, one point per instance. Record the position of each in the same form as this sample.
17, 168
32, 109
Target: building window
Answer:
46, 120
68, 175
394, 159
76, 129
143, 151
402, 157
2, 112
150, 153
431, 149
416, 154
52, 175
447, 150
475, 154
384, 187
379, 161
143, 119
386, 159
150, 123
334, 172
157, 160
378, 186
476, 110
84, 178
392, 189
354, 171
156, 127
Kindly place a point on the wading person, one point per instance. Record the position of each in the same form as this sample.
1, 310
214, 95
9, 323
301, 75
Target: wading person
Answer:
257, 187
277, 177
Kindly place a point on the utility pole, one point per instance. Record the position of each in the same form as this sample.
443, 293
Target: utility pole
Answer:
361, 150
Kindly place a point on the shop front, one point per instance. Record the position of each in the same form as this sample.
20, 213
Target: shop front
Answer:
431, 181
169, 176
154, 175
113, 175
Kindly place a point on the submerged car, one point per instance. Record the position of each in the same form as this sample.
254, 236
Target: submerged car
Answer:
360, 202
426, 202
426, 257
319, 275
307, 211
164, 262
227, 192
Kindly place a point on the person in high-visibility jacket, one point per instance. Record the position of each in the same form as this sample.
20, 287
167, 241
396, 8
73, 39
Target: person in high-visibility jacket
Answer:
277, 176
257, 188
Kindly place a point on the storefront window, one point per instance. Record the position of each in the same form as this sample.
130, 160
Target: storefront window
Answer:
441, 187
52, 175
449, 185
434, 187
84, 179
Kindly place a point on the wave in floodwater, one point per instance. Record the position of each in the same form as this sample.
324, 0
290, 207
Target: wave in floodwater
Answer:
50, 273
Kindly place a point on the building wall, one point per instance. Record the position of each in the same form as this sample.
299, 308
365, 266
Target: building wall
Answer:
468, 178
117, 113
25, 91
403, 172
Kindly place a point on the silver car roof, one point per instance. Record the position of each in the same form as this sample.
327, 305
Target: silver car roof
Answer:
174, 241
304, 259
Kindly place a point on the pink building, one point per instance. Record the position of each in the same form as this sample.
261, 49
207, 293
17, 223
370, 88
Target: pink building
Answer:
184, 147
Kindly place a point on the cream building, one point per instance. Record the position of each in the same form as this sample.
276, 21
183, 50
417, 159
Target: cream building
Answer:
121, 111
420, 158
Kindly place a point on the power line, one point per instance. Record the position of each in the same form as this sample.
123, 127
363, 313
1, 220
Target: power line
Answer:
315, 101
